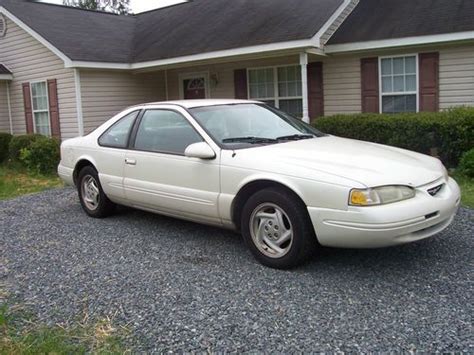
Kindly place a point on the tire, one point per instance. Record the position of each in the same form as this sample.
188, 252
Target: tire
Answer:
260, 217
91, 195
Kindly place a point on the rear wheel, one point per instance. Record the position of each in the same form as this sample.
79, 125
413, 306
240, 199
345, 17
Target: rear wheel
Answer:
276, 228
93, 199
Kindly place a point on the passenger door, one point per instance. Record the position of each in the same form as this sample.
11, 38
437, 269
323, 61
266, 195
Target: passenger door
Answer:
157, 175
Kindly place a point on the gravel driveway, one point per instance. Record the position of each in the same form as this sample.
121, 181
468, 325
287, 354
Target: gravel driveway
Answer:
183, 287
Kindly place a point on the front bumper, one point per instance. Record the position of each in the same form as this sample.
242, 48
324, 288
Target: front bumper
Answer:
381, 226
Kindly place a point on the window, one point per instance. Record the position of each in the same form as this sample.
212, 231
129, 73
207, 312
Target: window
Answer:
117, 135
399, 84
279, 87
165, 131
40, 105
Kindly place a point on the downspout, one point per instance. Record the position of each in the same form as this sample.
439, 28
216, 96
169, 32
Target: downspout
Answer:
166, 84
7, 83
80, 117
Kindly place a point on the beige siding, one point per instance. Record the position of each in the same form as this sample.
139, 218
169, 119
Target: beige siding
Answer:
339, 20
224, 72
4, 118
106, 93
30, 61
342, 85
456, 76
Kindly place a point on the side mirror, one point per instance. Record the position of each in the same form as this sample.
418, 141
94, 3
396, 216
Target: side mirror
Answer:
200, 150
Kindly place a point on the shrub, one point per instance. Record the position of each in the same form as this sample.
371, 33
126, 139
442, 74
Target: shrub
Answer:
466, 166
448, 133
18, 143
42, 156
5, 139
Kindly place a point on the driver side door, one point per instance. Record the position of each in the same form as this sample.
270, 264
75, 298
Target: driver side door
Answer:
159, 177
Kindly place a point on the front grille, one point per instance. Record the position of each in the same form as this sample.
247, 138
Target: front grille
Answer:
434, 190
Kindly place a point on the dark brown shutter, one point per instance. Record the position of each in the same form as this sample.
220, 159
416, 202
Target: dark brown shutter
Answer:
369, 68
315, 90
54, 108
240, 84
28, 109
429, 81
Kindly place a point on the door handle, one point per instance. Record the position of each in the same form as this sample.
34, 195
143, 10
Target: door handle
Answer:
129, 161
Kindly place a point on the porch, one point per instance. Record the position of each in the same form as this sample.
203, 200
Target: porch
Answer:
6, 76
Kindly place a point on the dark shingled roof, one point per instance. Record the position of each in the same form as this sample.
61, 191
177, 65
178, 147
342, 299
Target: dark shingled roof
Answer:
210, 25
190, 28
388, 19
4, 70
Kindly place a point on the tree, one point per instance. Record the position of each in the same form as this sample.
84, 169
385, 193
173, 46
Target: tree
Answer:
116, 6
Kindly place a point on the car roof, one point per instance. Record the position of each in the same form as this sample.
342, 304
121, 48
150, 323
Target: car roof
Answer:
199, 103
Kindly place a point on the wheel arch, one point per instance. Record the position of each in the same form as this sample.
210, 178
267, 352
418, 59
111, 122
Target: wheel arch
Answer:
82, 163
251, 187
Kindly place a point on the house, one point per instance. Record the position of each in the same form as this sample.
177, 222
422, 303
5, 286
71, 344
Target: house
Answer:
64, 71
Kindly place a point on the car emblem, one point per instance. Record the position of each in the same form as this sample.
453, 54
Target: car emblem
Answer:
434, 190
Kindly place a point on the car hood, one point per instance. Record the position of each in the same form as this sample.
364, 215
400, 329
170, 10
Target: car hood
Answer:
367, 163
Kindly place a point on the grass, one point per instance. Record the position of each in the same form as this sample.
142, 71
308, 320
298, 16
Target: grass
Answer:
16, 181
21, 334
467, 189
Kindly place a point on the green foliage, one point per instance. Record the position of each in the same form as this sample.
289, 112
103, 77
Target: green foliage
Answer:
448, 133
121, 7
41, 156
17, 143
5, 139
466, 166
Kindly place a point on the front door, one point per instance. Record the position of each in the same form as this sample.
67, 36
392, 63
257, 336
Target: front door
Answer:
157, 175
194, 88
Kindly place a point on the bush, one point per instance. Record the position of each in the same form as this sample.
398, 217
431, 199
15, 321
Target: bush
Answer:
448, 133
42, 156
466, 166
5, 139
18, 143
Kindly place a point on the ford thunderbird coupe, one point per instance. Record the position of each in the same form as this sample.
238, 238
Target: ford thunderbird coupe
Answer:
287, 187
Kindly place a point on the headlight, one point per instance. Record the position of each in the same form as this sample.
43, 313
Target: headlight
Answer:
380, 195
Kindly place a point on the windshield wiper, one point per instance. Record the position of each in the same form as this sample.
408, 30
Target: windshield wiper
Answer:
250, 140
295, 137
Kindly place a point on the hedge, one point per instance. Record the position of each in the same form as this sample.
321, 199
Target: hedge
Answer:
41, 156
449, 133
18, 143
5, 139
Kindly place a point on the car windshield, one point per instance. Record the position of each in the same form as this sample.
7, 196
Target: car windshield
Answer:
243, 125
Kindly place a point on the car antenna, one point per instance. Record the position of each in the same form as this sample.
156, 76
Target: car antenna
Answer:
233, 153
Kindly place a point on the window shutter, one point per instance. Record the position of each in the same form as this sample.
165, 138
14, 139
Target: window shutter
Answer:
54, 108
240, 84
429, 81
28, 109
369, 68
315, 90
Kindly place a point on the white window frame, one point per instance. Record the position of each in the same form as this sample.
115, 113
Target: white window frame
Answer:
417, 92
196, 75
33, 111
277, 98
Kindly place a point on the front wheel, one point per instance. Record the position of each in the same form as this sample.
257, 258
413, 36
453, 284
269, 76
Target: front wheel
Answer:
277, 229
93, 199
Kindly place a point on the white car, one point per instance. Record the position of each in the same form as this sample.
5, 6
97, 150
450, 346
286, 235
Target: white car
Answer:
243, 165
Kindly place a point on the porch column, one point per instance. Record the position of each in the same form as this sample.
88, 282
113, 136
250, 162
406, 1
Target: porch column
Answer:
304, 85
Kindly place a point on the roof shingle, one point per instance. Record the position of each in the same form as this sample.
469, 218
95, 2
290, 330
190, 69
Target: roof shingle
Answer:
387, 19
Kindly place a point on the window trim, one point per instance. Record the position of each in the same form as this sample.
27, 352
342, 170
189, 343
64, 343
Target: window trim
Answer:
133, 136
277, 98
127, 146
33, 111
194, 75
416, 92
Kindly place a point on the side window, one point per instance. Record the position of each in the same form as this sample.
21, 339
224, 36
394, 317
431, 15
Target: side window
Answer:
117, 135
165, 131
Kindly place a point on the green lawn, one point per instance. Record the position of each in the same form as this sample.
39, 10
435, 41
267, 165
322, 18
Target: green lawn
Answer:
16, 181
20, 333
467, 189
